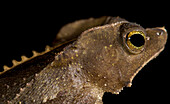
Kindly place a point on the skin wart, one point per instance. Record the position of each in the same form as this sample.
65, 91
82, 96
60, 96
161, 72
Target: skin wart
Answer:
96, 59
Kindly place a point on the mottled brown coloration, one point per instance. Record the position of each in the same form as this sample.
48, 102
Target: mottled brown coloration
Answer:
98, 61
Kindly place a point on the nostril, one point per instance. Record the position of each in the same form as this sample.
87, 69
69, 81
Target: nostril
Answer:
161, 30
159, 33
162, 33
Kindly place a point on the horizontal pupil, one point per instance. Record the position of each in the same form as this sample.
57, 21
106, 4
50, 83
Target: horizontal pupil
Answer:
137, 40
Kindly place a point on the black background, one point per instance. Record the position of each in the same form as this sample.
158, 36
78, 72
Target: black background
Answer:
31, 26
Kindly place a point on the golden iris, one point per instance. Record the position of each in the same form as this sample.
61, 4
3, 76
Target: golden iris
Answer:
135, 40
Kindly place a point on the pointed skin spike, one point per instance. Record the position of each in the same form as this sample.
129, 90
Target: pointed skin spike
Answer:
15, 62
35, 53
6, 67
47, 48
24, 58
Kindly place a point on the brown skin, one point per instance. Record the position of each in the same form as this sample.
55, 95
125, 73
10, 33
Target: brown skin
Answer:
98, 61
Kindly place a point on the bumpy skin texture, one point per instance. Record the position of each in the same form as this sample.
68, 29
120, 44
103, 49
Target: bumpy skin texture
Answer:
95, 62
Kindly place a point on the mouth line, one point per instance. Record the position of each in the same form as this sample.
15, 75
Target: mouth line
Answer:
154, 56
137, 70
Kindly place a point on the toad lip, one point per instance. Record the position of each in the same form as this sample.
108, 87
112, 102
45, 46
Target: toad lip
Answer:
138, 69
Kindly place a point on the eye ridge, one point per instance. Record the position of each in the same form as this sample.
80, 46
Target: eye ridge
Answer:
135, 40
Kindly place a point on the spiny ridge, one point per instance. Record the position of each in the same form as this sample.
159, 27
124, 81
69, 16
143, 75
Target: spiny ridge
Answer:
24, 59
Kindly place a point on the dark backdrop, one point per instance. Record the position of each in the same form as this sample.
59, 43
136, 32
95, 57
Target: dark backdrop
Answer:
30, 27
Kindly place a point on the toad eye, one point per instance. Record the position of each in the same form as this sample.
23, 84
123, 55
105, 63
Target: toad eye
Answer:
135, 41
